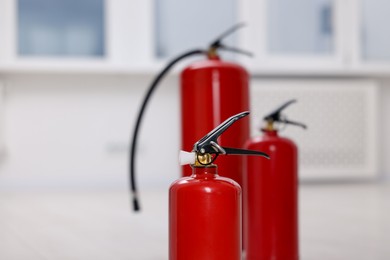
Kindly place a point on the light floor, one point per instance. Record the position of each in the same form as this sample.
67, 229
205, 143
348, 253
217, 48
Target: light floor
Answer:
338, 222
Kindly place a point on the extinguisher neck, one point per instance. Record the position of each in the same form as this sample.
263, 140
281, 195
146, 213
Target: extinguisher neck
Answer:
212, 53
269, 126
205, 172
268, 132
270, 129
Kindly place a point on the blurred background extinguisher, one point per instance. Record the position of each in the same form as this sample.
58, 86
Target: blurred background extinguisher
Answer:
218, 89
270, 189
211, 87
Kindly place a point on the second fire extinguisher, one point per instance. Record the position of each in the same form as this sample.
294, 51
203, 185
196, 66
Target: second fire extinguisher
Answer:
271, 194
204, 208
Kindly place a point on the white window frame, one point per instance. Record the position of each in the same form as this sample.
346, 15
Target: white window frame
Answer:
357, 62
255, 38
130, 28
128, 41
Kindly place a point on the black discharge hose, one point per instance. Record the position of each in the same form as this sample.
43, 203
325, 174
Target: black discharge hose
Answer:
149, 93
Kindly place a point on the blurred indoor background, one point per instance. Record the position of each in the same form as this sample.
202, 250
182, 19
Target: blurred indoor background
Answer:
72, 77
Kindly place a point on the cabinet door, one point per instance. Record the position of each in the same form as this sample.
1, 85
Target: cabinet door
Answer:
288, 34
60, 28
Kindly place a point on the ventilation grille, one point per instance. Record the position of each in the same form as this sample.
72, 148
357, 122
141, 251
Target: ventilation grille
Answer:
340, 141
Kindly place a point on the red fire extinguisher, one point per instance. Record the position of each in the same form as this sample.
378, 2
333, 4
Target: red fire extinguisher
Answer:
217, 88
209, 87
271, 194
204, 208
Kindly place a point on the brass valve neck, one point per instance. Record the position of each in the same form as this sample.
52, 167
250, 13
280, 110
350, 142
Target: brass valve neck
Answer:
212, 53
269, 126
203, 160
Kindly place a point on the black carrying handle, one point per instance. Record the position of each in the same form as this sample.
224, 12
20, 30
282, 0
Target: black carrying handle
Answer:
209, 144
205, 144
217, 44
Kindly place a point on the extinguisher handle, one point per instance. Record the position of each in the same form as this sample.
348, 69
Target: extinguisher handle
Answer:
217, 44
207, 143
275, 116
237, 151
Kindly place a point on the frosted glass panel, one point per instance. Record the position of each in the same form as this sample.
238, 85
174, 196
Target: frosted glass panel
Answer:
61, 27
181, 25
375, 36
300, 26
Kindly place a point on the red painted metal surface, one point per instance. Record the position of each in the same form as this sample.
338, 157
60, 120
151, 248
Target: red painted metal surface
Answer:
271, 200
217, 89
205, 217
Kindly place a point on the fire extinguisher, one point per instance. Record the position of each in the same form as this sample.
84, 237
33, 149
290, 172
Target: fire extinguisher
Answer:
204, 208
271, 194
208, 87
217, 88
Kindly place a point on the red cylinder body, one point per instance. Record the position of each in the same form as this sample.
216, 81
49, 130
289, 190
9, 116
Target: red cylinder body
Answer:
205, 217
271, 200
217, 89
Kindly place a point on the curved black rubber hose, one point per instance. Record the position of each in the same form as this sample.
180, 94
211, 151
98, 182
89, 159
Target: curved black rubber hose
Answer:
152, 87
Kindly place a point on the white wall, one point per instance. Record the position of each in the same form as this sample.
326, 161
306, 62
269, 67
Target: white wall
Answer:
384, 127
74, 130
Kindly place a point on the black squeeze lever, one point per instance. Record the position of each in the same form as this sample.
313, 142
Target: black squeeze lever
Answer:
209, 144
217, 44
276, 116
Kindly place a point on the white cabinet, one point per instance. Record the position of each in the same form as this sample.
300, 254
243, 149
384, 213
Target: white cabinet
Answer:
333, 37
